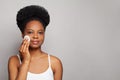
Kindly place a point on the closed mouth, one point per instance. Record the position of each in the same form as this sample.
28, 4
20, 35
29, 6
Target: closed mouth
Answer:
35, 42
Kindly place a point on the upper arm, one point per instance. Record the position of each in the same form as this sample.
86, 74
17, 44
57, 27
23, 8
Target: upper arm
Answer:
12, 68
57, 69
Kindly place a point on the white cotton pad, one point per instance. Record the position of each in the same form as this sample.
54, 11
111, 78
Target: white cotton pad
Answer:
27, 37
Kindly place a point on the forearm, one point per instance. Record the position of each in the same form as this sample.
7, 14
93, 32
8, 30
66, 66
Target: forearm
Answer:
23, 70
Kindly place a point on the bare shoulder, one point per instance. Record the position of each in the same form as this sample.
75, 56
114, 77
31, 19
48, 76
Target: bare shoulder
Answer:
13, 60
56, 63
55, 59
13, 64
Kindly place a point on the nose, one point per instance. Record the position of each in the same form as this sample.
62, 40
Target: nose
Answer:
35, 36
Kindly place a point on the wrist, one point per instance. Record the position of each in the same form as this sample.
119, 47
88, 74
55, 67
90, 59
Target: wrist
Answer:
26, 61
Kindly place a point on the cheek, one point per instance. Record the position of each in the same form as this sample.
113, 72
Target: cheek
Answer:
42, 37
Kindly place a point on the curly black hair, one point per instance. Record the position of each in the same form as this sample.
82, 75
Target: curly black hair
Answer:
32, 12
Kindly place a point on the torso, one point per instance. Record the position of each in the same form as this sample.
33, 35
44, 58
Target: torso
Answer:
40, 69
39, 64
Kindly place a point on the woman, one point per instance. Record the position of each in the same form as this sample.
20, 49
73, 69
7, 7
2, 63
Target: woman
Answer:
32, 63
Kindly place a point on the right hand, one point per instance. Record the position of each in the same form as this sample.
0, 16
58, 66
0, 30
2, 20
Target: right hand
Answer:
24, 51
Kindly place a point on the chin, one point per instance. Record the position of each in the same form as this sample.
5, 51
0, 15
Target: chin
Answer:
34, 46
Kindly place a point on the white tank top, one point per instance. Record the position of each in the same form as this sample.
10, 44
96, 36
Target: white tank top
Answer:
47, 75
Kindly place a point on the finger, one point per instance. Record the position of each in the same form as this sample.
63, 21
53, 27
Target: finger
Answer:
26, 46
23, 41
22, 45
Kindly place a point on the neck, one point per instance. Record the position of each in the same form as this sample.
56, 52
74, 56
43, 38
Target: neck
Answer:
35, 52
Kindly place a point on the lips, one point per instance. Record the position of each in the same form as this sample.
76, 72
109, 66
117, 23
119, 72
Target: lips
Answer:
35, 42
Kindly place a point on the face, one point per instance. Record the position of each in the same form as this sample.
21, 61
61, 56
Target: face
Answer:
35, 30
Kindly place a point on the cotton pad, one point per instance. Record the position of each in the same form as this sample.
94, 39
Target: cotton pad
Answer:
27, 37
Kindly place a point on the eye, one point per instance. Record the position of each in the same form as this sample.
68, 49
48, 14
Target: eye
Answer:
40, 32
29, 32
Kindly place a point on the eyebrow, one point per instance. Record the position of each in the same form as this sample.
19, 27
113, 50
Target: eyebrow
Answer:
38, 30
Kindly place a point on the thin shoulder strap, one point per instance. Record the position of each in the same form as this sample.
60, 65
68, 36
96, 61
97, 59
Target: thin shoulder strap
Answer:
19, 58
49, 60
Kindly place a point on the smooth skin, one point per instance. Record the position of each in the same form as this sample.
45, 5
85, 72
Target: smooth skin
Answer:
33, 58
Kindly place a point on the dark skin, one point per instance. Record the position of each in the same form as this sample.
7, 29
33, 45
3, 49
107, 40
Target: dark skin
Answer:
33, 58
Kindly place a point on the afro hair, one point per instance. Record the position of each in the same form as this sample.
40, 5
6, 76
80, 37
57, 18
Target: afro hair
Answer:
32, 12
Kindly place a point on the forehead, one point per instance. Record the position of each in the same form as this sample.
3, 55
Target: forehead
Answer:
34, 25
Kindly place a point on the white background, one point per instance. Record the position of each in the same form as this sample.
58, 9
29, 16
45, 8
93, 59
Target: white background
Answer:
84, 34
